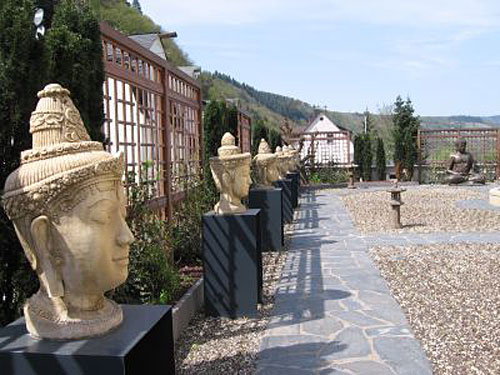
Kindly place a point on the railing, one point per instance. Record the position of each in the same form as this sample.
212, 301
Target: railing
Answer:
153, 114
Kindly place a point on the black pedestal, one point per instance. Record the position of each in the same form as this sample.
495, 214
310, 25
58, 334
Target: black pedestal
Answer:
286, 185
142, 344
295, 177
232, 264
271, 224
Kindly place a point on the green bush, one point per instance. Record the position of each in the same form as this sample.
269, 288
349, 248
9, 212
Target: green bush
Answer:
328, 175
185, 229
152, 277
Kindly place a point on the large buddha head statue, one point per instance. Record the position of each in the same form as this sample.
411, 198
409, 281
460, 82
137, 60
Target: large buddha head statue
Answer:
266, 165
67, 203
282, 162
231, 173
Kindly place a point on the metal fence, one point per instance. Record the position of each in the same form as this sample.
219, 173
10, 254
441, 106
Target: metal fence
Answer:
153, 114
436, 146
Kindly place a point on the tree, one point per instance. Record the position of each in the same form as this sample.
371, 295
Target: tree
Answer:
20, 79
405, 130
137, 5
380, 159
73, 56
274, 139
358, 154
70, 54
367, 157
218, 119
259, 131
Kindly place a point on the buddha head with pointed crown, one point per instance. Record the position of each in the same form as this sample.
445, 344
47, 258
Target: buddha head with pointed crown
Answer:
266, 165
282, 162
231, 173
293, 158
67, 203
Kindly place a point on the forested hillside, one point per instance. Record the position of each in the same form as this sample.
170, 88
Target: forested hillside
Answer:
129, 19
271, 109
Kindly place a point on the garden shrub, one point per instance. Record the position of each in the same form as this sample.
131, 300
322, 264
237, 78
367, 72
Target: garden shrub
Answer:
185, 229
152, 277
328, 175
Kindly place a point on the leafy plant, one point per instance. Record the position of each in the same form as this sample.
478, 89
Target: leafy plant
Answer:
185, 229
152, 278
330, 174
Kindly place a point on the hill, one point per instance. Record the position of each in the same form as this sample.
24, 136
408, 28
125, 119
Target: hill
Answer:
272, 109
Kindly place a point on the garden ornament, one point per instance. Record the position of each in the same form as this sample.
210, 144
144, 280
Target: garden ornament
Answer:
461, 166
282, 162
67, 203
266, 166
231, 173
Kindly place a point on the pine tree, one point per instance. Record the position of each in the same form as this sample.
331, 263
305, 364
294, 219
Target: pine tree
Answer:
367, 157
274, 139
73, 56
218, 119
358, 154
259, 131
137, 5
380, 159
20, 79
405, 130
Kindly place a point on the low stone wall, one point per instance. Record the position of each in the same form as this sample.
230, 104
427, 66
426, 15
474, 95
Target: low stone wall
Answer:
190, 303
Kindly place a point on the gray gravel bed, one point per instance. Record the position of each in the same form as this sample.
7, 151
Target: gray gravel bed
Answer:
451, 297
432, 209
223, 346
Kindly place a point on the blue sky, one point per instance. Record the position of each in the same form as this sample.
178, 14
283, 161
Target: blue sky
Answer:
349, 54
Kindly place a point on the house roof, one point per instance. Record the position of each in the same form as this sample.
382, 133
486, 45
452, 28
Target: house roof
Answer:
145, 40
151, 42
318, 118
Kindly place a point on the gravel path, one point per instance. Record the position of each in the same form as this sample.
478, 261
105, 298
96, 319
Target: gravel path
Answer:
224, 346
433, 209
450, 295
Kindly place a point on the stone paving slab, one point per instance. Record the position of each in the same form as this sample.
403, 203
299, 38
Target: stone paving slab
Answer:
333, 311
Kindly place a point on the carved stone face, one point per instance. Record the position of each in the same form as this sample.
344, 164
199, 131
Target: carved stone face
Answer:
267, 170
461, 145
231, 173
242, 182
272, 171
93, 241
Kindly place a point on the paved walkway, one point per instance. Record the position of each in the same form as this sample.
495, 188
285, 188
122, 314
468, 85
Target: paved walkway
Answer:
333, 312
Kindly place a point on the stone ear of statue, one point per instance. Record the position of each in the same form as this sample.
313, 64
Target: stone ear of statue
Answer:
43, 243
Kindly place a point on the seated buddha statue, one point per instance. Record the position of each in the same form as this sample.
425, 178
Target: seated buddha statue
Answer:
461, 166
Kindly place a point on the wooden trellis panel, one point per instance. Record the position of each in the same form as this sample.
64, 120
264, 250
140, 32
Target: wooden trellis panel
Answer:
153, 115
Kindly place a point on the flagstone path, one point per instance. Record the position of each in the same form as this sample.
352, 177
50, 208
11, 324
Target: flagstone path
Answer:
333, 312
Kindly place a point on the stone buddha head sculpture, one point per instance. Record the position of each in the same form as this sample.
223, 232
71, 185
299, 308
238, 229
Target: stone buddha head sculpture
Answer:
266, 165
293, 155
67, 203
282, 162
231, 173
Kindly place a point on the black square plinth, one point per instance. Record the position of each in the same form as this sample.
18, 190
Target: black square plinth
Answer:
295, 177
271, 223
142, 344
232, 264
286, 185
